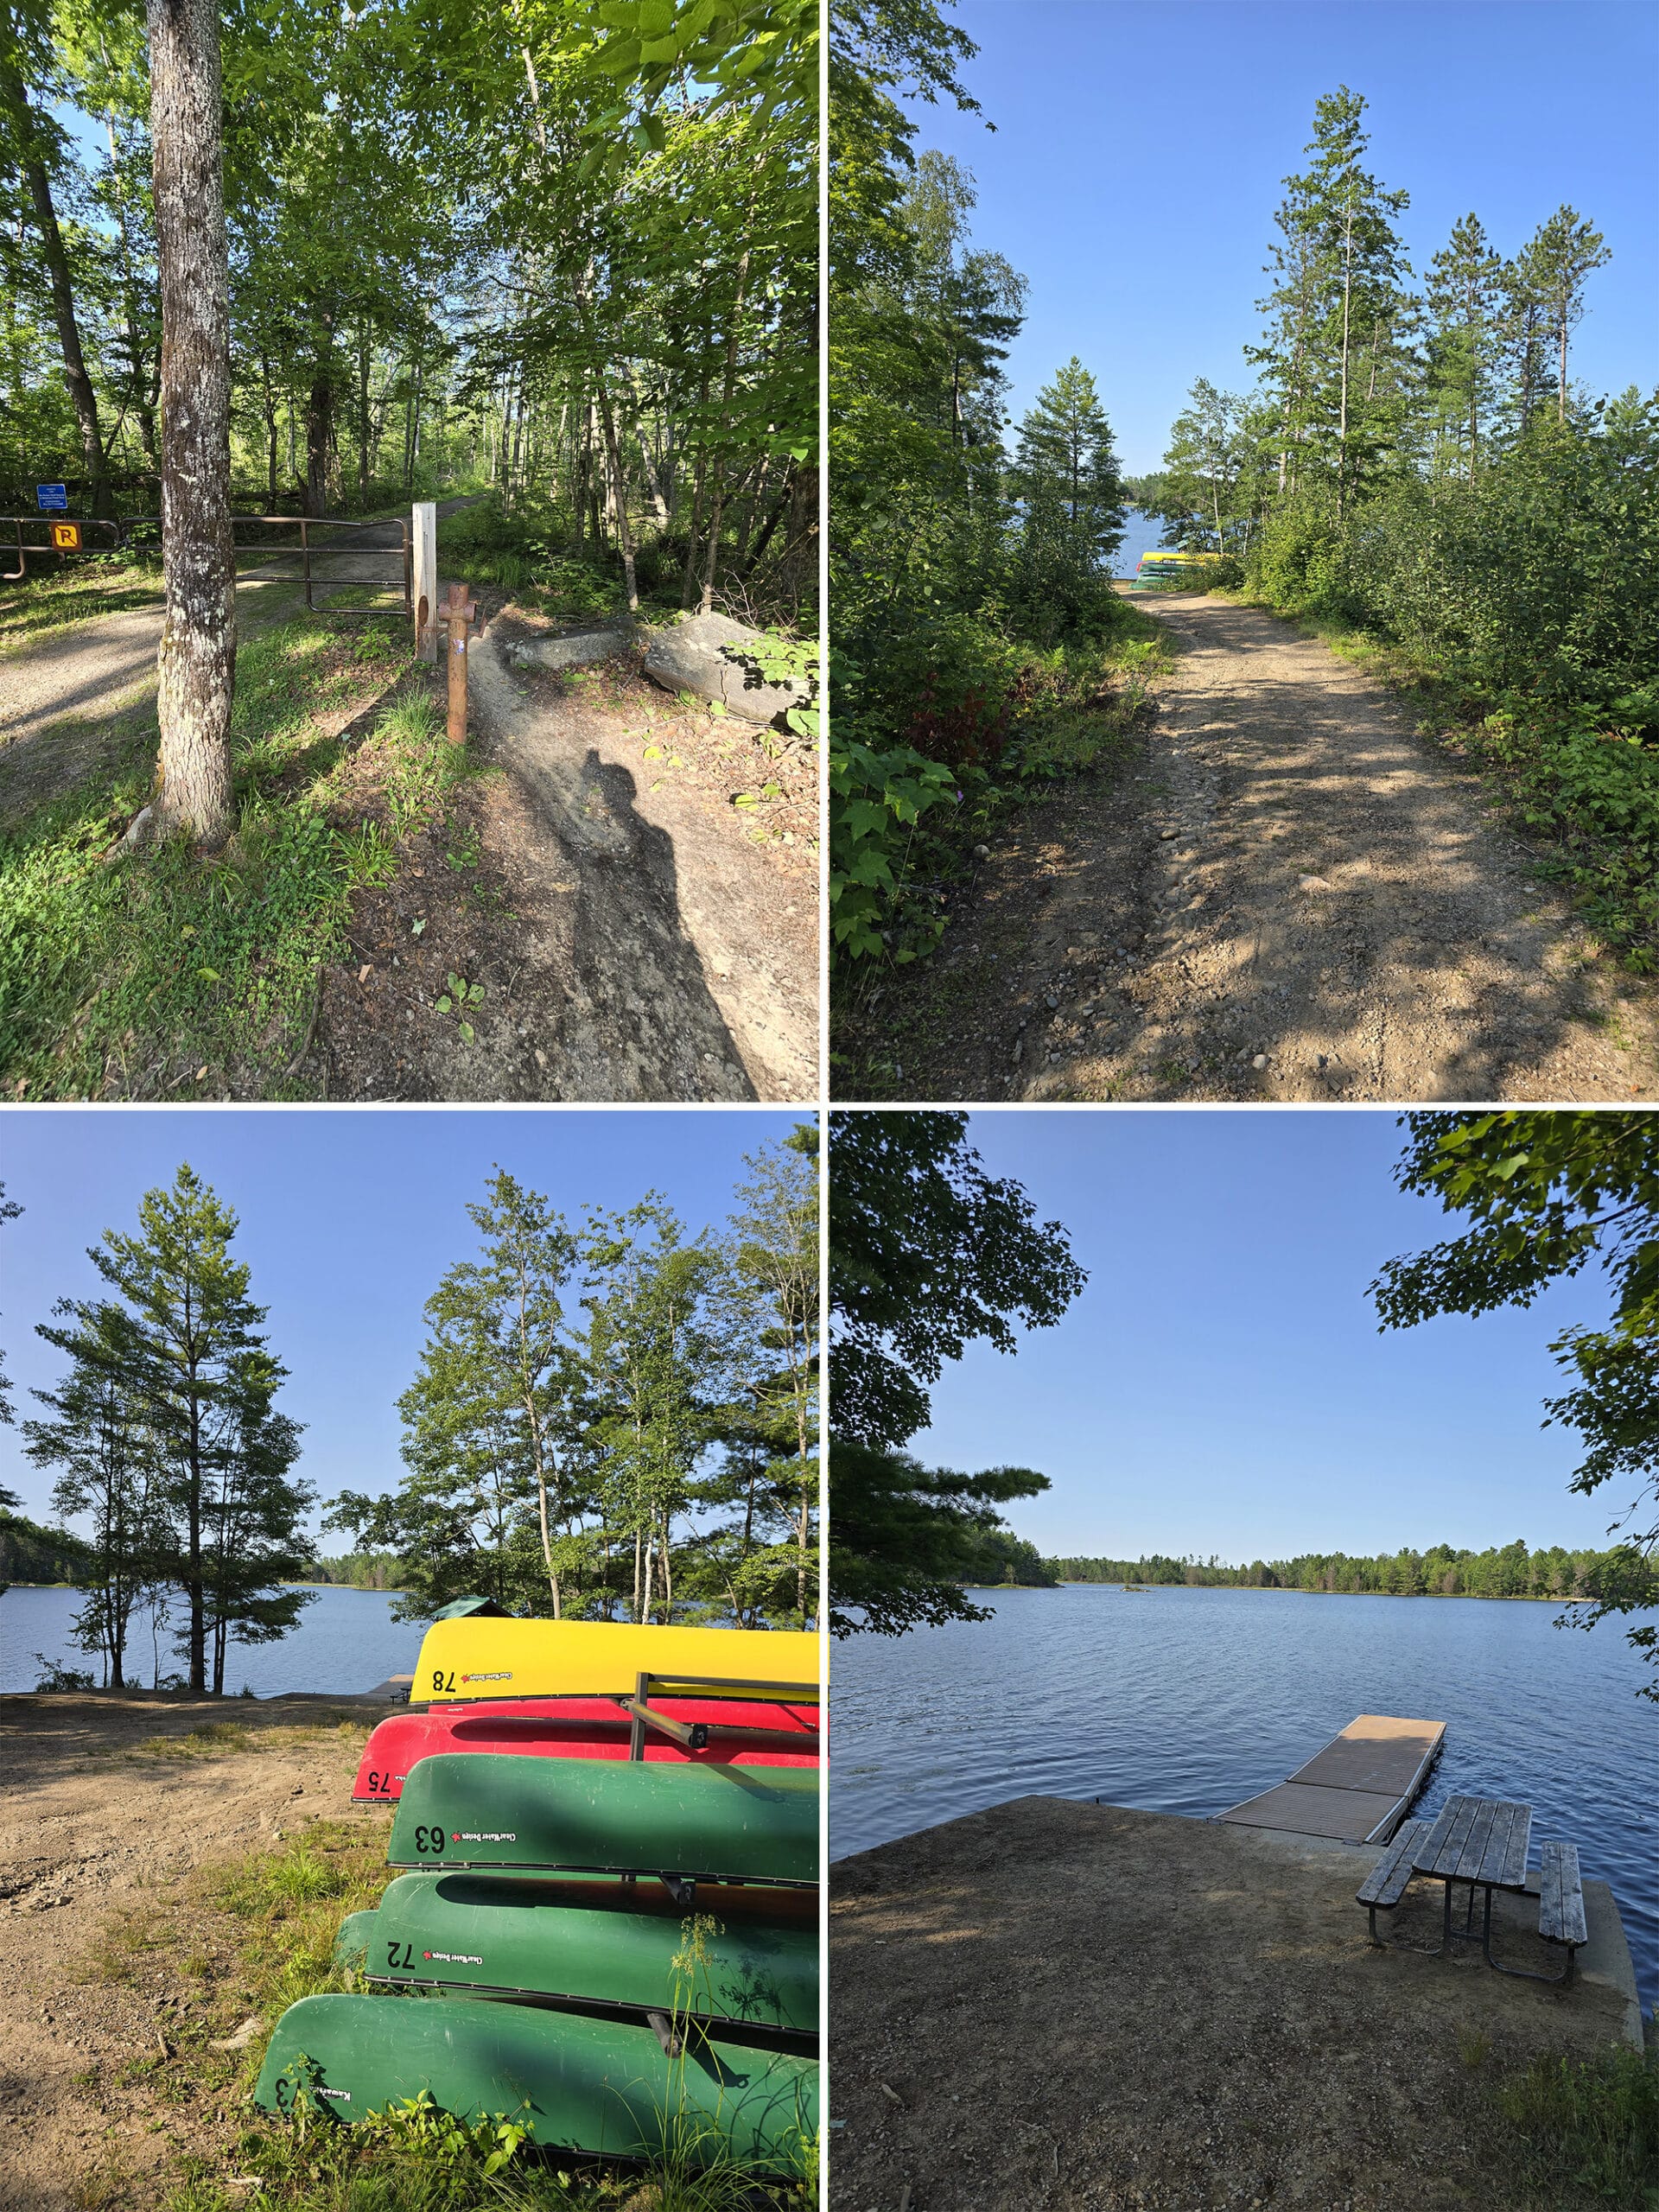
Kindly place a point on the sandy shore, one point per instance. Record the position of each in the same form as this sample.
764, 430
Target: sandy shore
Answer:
1070, 2006
109, 1957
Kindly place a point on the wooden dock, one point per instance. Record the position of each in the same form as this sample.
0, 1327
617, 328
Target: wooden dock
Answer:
1357, 1789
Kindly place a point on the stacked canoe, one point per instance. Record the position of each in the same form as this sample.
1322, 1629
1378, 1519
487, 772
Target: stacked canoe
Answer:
605, 1924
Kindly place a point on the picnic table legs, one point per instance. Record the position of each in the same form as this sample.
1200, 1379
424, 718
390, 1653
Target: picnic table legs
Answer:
1465, 1935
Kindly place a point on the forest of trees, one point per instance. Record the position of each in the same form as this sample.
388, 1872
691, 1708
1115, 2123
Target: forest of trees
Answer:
609, 1419
1416, 460
1442, 1571
970, 569
577, 265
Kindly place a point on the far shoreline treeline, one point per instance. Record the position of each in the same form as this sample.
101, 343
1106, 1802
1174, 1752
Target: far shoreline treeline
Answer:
1443, 1571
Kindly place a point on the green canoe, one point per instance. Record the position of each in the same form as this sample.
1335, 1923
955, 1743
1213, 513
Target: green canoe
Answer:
580, 2083
608, 1946
489, 1808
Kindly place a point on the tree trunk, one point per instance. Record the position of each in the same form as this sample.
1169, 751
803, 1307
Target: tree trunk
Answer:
707, 599
319, 422
659, 504
619, 493
15, 97
1561, 403
771, 522
1342, 434
197, 660
271, 438
364, 351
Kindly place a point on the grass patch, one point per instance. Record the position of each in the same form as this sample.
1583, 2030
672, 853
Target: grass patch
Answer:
223, 1738
121, 1942
1590, 2125
282, 1911
40, 605
162, 972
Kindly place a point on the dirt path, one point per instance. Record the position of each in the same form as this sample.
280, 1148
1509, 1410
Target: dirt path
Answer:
631, 939
1288, 896
81, 684
1069, 2007
105, 1965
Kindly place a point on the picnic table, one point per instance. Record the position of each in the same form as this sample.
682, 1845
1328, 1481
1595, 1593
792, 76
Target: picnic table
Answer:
1483, 1842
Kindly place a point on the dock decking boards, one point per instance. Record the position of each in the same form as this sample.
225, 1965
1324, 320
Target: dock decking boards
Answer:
1357, 1789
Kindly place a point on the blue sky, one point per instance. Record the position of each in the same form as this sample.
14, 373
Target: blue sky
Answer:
1221, 1385
348, 1220
1140, 148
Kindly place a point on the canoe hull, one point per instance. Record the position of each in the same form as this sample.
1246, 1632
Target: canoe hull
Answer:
465, 1661
581, 2084
597, 1944
725, 1823
580, 1728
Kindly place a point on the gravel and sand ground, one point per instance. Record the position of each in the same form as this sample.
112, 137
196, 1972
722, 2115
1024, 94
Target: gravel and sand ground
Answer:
1287, 894
1059, 2005
114, 1989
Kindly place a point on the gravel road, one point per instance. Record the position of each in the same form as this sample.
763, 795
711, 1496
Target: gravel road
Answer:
1290, 896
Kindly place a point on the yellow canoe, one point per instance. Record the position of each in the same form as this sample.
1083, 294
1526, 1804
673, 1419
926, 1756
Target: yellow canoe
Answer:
467, 1660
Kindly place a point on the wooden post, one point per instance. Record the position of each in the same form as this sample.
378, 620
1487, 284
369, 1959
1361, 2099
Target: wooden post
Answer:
426, 579
457, 611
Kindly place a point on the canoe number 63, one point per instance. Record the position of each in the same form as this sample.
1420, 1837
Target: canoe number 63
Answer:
428, 1842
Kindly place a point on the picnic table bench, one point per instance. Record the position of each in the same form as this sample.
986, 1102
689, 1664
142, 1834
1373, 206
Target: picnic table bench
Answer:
1482, 1842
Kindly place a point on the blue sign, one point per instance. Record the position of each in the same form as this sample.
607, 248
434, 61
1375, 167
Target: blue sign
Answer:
52, 496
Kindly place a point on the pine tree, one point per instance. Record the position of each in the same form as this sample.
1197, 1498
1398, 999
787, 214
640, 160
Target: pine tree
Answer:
491, 1501
1563, 252
1065, 478
110, 1472
191, 1407
1465, 298
1336, 355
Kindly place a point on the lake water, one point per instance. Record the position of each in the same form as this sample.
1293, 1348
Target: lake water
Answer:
346, 1640
1142, 533
1179, 1701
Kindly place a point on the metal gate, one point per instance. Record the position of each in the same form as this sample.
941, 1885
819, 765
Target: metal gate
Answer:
324, 556
49, 541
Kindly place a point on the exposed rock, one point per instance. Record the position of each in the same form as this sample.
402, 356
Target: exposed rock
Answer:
571, 651
705, 654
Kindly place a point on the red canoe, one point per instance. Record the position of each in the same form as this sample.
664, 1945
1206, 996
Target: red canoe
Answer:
582, 1728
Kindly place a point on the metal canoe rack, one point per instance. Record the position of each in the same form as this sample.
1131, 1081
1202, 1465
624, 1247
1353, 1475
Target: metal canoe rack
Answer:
694, 1735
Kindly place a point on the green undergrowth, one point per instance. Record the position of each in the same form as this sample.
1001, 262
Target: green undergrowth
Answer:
1590, 2127
281, 1911
526, 550
926, 767
162, 972
84, 590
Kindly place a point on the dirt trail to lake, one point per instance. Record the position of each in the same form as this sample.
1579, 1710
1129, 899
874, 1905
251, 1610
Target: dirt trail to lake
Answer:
1290, 895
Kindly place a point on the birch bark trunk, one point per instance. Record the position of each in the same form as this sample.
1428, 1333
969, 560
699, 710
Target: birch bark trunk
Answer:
197, 661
